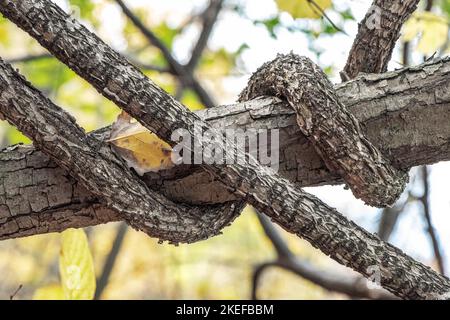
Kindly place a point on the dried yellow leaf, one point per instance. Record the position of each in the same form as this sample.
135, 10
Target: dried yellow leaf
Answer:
50, 292
141, 149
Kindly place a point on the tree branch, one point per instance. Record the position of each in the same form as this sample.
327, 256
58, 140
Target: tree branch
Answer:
377, 35
295, 210
420, 105
424, 200
98, 169
209, 16
29, 58
110, 261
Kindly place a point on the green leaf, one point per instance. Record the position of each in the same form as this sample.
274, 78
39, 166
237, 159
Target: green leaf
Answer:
166, 34
270, 25
445, 5
190, 100
14, 136
76, 266
47, 74
347, 15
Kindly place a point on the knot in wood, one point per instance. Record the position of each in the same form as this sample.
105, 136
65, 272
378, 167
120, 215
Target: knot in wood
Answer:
334, 132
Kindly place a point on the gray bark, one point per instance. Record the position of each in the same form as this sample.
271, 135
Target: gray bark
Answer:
377, 35
98, 169
333, 131
295, 210
414, 113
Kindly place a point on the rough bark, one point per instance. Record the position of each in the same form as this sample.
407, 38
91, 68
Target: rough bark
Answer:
97, 168
332, 130
412, 104
183, 72
377, 35
295, 210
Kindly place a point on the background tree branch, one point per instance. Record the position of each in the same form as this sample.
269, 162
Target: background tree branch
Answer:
355, 287
184, 73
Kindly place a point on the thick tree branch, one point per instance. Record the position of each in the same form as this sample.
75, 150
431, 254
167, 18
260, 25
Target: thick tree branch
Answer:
332, 130
295, 210
408, 121
98, 169
377, 35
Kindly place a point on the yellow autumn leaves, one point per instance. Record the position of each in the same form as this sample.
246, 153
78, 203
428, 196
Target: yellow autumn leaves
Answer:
431, 28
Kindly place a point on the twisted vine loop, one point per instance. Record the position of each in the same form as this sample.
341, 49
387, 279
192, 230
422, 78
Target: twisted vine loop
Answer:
334, 132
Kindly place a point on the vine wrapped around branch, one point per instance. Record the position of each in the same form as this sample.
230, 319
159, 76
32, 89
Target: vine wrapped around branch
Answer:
333, 131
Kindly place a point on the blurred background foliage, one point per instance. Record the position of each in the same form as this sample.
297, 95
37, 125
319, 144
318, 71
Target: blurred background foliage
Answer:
222, 267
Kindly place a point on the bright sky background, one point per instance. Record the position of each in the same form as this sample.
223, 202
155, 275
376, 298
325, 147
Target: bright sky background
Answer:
231, 31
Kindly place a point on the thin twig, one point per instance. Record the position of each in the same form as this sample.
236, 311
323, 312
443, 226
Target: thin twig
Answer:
11, 297
209, 16
319, 11
29, 58
111, 260
427, 213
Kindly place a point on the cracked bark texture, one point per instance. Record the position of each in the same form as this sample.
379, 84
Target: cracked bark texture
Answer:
377, 35
295, 210
412, 104
332, 130
97, 168
37, 196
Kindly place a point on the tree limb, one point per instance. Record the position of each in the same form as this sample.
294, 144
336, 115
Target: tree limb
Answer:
424, 200
377, 35
355, 287
209, 16
99, 170
295, 210
408, 121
